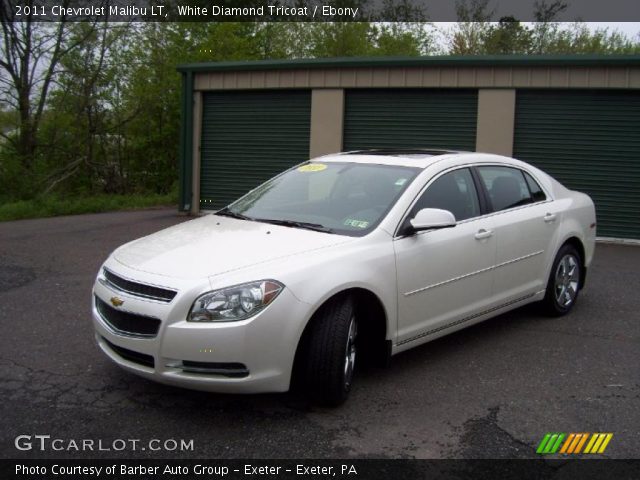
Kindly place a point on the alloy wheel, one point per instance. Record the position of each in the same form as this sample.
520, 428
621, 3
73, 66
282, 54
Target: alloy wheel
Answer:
567, 278
350, 353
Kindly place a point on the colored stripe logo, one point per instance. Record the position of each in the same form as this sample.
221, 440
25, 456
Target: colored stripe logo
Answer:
573, 443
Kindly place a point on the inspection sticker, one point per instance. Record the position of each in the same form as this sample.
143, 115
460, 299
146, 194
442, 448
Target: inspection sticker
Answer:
356, 223
312, 167
401, 181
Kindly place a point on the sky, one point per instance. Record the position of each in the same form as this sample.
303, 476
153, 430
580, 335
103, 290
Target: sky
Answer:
631, 29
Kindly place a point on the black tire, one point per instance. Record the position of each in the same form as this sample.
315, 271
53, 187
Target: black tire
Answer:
328, 377
563, 285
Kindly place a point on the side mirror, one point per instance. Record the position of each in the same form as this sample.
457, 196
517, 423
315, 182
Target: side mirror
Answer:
430, 218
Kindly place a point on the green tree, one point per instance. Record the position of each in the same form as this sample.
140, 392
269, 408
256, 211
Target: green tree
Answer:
30, 53
341, 39
508, 37
546, 26
579, 39
78, 128
471, 29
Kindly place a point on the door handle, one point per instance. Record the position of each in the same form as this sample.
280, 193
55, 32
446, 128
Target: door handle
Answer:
482, 234
550, 217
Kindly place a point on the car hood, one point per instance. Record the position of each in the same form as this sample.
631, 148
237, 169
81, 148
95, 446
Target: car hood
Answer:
212, 245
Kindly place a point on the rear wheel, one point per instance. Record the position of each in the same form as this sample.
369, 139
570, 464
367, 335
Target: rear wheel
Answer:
564, 282
331, 354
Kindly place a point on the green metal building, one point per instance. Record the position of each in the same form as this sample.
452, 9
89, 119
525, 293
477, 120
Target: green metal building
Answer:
576, 117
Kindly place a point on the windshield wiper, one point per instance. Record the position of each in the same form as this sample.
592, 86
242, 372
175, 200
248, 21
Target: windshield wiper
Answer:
228, 213
293, 223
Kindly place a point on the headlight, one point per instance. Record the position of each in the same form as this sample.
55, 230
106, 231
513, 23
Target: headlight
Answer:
234, 303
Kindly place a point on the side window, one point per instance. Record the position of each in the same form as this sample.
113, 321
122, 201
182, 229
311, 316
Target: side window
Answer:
506, 186
453, 191
536, 192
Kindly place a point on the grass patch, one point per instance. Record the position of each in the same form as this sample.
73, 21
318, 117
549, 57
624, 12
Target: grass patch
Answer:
53, 206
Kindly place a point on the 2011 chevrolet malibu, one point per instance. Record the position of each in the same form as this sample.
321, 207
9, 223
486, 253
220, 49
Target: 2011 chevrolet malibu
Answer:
359, 255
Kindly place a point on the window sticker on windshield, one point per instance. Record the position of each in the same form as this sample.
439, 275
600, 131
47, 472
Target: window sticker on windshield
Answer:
312, 167
401, 181
356, 223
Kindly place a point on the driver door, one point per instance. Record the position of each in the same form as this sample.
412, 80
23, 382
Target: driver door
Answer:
445, 276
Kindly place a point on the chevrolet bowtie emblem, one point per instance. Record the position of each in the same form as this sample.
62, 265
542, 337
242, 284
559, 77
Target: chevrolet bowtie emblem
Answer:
116, 302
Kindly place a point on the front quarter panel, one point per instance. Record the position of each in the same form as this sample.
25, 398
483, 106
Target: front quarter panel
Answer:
368, 263
314, 277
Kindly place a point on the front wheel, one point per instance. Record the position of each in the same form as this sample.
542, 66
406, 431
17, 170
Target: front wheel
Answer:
331, 356
564, 282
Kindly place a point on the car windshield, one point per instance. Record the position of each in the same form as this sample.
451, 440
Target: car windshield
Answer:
343, 198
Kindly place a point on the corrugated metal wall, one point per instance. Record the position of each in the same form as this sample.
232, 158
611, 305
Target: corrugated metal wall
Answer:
590, 141
410, 118
248, 137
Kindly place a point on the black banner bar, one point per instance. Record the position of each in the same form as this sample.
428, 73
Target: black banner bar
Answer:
319, 469
313, 10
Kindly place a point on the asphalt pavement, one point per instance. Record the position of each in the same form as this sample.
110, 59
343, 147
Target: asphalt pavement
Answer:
490, 391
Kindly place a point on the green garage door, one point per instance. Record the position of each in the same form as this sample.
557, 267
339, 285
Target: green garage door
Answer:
589, 141
410, 119
248, 137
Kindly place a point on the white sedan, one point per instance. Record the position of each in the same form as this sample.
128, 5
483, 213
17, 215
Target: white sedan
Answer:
353, 255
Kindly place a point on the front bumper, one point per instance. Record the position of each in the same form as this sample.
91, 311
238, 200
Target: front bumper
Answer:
249, 356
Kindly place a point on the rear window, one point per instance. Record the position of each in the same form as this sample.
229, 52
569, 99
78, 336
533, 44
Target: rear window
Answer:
507, 187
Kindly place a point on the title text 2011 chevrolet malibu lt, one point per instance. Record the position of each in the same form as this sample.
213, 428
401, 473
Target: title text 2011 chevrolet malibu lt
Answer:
360, 254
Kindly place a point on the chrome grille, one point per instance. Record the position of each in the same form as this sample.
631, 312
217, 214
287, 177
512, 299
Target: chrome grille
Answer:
127, 323
138, 289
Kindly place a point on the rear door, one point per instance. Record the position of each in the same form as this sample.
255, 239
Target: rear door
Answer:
525, 223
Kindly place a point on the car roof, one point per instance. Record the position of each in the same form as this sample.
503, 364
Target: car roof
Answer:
415, 157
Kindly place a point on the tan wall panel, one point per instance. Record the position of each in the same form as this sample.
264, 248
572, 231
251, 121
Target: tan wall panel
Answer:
230, 81
364, 77
201, 82
618, 79
272, 79
503, 77
597, 77
579, 77
431, 77
448, 78
485, 77
331, 79
327, 117
243, 80
425, 77
496, 118
258, 79
397, 76
317, 77
216, 81
413, 77
287, 79
380, 77
301, 78
545, 77
521, 77
466, 77
348, 77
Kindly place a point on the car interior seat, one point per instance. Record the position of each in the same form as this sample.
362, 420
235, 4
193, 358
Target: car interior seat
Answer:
445, 194
505, 192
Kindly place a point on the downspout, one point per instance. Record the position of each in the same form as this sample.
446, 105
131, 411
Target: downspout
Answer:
186, 143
